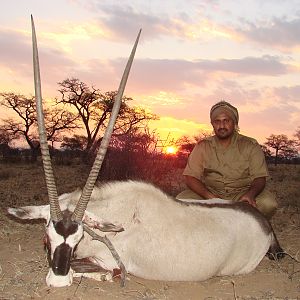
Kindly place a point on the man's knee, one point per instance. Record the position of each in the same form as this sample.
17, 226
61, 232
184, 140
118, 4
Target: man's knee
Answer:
267, 203
188, 194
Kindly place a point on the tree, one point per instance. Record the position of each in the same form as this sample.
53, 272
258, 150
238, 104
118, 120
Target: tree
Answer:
133, 156
136, 141
25, 125
267, 152
74, 143
5, 138
186, 143
283, 146
94, 108
4, 142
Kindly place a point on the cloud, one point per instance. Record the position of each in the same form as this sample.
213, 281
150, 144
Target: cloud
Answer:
123, 21
198, 21
15, 50
280, 33
158, 20
148, 75
265, 65
163, 74
154, 75
16, 59
289, 93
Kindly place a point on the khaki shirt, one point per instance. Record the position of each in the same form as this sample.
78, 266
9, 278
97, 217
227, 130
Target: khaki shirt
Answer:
227, 171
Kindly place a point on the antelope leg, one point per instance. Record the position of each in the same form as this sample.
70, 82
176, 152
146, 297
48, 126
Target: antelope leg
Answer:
113, 251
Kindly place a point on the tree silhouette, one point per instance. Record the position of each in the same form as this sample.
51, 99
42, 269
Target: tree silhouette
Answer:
187, 143
24, 126
283, 146
5, 139
73, 143
94, 108
267, 152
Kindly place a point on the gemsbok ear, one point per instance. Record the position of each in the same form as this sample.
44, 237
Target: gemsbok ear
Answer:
31, 212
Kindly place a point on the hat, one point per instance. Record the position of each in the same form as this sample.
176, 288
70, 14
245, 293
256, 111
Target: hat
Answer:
224, 107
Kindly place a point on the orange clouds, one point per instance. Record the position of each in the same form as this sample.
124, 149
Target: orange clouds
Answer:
176, 128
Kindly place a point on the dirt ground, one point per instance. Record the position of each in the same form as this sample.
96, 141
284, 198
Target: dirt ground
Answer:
23, 264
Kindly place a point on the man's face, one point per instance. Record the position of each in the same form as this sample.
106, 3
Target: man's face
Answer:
223, 126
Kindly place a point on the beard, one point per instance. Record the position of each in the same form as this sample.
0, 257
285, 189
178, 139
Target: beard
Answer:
223, 133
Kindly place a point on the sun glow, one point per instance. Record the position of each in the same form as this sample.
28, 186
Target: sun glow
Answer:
171, 150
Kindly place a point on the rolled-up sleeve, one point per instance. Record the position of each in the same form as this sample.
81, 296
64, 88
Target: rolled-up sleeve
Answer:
257, 163
195, 163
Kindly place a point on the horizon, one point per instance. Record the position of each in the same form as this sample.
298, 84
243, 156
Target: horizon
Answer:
190, 56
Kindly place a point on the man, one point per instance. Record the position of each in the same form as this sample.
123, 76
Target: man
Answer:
228, 165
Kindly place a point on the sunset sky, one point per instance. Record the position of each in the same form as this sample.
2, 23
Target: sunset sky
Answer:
191, 55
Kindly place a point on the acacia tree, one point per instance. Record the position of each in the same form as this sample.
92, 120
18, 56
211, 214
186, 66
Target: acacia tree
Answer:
282, 145
24, 126
94, 108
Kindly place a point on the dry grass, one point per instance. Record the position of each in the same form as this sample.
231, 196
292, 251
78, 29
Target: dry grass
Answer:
285, 181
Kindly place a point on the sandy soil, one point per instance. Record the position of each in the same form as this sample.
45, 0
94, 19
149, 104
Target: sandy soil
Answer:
23, 264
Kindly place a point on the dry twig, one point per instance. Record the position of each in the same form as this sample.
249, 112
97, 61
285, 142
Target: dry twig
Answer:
234, 292
77, 286
294, 257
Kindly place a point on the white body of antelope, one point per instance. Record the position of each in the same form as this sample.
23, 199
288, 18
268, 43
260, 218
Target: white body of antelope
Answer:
156, 236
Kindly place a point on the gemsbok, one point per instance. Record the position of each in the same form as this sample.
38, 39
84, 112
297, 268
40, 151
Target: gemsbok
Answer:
155, 236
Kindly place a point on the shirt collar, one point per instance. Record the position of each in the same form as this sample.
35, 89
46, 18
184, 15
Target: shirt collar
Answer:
232, 143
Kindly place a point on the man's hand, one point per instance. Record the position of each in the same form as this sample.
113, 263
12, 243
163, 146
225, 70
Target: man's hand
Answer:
198, 187
257, 185
249, 199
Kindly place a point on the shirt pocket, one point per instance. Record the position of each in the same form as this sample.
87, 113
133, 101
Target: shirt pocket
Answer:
238, 170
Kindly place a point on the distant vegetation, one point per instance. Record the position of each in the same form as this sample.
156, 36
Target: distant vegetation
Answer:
76, 121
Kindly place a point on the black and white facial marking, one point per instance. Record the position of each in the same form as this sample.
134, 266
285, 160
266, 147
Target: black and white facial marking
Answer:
63, 236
